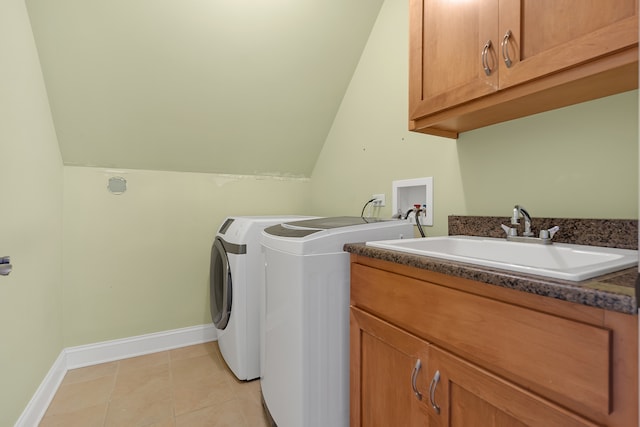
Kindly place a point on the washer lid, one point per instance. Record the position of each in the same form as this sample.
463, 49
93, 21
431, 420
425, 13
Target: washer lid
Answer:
310, 226
328, 235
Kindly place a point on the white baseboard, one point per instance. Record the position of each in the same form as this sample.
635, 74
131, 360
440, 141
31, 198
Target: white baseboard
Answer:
39, 403
107, 351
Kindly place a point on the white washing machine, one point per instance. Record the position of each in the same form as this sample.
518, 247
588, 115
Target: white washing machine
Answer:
305, 343
236, 280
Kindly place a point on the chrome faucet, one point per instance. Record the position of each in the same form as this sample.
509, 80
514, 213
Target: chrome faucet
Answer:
515, 219
527, 235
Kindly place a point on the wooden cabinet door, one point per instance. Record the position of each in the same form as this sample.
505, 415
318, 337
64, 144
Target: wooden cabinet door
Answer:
540, 55
465, 395
446, 43
385, 374
546, 36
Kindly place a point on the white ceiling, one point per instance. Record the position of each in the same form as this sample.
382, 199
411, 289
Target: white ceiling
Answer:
224, 86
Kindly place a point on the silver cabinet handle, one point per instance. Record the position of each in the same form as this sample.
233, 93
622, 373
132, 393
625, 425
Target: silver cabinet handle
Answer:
5, 266
414, 376
505, 49
485, 61
432, 391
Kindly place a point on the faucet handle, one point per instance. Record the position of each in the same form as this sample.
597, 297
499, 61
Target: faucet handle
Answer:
511, 231
548, 234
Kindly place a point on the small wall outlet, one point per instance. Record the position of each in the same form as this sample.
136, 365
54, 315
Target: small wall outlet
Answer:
380, 200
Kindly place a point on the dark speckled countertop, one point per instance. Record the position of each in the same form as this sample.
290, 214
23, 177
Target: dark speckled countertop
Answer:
614, 291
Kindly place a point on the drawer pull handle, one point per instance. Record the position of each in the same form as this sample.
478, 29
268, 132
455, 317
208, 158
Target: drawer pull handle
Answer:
432, 391
505, 49
485, 61
414, 376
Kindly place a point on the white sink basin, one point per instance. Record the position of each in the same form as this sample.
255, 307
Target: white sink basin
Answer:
559, 260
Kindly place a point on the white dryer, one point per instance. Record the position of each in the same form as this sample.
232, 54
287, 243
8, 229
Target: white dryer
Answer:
305, 347
236, 280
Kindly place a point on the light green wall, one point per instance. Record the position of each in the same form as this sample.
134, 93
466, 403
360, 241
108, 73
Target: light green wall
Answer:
577, 162
580, 161
30, 218
198, 85
138, 262
369, 145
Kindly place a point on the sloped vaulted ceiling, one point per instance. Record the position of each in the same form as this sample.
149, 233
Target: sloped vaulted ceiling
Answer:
223, 86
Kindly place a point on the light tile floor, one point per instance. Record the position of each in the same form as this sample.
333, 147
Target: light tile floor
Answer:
189, 386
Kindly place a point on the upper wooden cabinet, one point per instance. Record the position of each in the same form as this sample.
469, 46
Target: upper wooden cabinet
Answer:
478, 62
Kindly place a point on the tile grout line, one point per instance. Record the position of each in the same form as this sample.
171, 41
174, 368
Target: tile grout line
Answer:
113, 387
172, 384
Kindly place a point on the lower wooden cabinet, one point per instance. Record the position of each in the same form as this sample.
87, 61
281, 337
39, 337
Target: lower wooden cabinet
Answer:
464, 395
431, 350
398, 379
388, 374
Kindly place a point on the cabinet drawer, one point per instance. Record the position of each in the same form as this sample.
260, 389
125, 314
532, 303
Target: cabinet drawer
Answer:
566, 361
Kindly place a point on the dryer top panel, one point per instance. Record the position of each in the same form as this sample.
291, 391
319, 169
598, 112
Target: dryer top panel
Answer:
225, 225
246, 230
